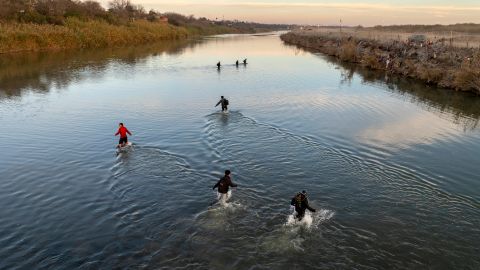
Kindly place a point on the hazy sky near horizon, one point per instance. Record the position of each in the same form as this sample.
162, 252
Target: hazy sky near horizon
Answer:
366, 12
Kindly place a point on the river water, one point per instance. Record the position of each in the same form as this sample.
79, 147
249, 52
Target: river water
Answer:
391, 165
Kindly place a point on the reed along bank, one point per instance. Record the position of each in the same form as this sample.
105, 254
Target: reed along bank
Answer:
34, 25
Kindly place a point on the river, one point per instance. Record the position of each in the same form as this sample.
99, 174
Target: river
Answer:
391, 165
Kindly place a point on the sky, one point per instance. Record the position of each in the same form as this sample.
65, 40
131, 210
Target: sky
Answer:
319, 12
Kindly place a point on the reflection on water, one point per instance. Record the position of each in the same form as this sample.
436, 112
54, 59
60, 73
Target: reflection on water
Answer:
464, 107
42, 71
391, 165
400, 132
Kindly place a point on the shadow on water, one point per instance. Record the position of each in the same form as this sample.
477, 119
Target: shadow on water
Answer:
464, 107
41, 71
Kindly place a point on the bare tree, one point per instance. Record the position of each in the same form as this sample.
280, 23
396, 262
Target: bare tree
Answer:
52, 8
93, 9
127, 10
119, 5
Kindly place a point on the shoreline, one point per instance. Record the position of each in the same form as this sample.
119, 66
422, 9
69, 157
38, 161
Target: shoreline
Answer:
434, 63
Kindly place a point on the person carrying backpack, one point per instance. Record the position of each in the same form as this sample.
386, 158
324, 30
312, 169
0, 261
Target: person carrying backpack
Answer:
300, 202
223, 186
224, 102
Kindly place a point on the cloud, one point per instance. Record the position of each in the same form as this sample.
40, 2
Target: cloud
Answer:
419, 128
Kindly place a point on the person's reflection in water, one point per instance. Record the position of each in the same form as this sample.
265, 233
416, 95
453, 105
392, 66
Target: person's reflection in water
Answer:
224, 119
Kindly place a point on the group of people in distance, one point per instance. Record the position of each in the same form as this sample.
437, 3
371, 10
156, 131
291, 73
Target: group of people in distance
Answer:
299, 201
219, 64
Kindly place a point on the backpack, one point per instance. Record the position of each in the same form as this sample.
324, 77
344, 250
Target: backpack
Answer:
226, 102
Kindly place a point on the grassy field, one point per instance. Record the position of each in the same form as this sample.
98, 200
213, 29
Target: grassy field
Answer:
454, 37
471, 28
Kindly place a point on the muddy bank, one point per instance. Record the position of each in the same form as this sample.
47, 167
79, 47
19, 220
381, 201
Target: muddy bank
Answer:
435, 63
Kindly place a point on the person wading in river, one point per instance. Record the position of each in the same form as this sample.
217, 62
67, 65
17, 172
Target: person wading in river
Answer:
300, 202
122, 130
224, 103
223, 186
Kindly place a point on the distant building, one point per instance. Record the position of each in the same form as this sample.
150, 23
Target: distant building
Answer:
163, 19
156, 17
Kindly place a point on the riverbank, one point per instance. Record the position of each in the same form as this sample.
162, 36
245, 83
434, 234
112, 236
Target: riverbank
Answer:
68, 24
77, 34
434, 62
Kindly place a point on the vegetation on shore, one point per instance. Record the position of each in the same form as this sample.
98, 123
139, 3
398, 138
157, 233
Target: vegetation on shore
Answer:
471, 28
435, 63
32, 25
83, 34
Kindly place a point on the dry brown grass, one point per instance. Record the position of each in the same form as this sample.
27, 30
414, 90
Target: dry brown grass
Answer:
455, 39
430, 74
83, 34
348, 52
468, 79
370, 60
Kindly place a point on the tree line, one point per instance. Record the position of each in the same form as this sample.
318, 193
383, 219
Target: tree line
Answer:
56, 11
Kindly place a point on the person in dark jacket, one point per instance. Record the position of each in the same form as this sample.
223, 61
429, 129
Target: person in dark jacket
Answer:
223, 186
224, 103
300, 201
219, 65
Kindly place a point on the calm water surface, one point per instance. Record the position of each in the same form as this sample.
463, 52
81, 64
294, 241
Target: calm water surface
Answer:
391, 165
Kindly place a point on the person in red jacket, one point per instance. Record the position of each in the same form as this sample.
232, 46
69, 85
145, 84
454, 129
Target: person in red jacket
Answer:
123, 135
